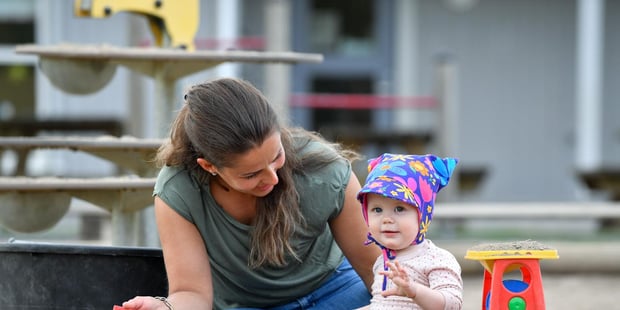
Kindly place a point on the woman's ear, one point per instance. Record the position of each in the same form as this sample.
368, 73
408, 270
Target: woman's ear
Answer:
207, 166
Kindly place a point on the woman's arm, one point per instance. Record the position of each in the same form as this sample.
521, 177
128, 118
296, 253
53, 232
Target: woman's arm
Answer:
187, 264
350, 232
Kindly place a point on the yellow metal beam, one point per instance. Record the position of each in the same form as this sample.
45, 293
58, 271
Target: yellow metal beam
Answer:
176, 19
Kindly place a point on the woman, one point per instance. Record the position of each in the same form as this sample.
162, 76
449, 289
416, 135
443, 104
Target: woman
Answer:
254, 215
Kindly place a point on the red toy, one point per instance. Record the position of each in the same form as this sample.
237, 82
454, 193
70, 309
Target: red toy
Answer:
499, 259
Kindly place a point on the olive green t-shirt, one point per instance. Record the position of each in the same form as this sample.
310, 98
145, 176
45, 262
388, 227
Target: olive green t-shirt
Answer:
227, 241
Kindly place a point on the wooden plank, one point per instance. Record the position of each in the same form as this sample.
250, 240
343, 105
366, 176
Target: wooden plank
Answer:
31, 127
531, 210
108, 52
27, 184
130, 153
81, 143
123, 194
150, 61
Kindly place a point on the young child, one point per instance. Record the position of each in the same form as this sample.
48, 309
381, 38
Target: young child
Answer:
398, 200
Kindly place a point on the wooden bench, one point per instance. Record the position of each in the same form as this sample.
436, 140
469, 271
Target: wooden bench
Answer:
513, 212
38, 202
121, 196
135, 193
595, 256
130, 153
33, 126
528, 210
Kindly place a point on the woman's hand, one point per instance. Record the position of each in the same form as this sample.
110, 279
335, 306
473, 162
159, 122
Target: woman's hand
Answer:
144, 303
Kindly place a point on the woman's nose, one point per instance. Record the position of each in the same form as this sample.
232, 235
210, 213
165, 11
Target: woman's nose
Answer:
272, 176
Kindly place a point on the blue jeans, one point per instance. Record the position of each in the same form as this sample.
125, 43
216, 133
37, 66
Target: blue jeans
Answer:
345, 290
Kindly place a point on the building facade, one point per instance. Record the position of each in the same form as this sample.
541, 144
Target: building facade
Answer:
522, 90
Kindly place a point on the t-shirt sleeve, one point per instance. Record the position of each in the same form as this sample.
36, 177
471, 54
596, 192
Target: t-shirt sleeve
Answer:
325, 188
343, 177
174, 186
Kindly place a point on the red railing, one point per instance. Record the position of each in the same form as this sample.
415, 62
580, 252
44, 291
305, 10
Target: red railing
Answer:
360, 101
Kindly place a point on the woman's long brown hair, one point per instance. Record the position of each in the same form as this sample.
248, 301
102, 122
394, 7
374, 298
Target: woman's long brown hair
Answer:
224, 118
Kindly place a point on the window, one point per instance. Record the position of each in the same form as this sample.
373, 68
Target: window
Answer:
330, 118
342, 27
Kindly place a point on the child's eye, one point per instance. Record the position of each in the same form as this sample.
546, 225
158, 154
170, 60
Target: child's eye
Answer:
376, 210
399, 209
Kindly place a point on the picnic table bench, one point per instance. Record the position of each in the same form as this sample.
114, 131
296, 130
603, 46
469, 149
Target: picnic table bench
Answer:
529, 210
513, 214
130, 153
34, 126
36, 203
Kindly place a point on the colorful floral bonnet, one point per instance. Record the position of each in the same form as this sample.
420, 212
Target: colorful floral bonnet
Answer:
413, 179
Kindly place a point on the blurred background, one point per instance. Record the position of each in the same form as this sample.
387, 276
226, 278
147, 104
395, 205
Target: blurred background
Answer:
521, 91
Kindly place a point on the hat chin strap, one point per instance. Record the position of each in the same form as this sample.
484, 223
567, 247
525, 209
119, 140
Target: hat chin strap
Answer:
388, 254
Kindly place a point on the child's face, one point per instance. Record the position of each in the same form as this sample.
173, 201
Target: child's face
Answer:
392, 222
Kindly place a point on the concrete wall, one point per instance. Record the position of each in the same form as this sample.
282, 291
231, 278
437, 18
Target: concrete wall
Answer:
516, 70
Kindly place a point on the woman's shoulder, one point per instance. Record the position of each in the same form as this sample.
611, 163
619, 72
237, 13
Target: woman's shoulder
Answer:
337, 168
307, 143
179, 190
310, 147
169, 173
174, 177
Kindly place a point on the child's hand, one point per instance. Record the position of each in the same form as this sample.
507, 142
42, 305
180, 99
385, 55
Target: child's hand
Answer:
404, 286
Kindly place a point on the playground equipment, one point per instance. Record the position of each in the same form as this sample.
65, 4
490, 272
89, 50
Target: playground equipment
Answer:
84, 69
175, 21
498, 260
